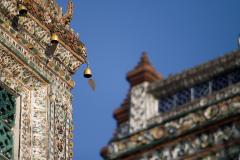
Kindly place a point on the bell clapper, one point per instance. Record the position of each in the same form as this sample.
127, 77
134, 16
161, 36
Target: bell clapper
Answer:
54, 39
22, 10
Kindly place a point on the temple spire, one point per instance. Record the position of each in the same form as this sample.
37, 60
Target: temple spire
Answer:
144, 71
144, 60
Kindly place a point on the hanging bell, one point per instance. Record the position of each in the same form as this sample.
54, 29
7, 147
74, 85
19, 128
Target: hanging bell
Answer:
87, 72
54, 38
22, 10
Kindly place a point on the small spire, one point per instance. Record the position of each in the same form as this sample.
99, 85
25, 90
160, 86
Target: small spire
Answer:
144, 59
144, 71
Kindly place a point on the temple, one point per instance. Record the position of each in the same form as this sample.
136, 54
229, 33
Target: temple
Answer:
39, 53
193, 115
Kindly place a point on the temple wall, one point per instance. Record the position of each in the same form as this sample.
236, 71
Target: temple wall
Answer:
43, 121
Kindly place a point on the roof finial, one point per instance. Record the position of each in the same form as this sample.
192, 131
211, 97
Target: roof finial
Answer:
144, 59
144, 71
66, 19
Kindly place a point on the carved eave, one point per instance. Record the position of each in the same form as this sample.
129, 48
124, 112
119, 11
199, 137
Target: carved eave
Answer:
44, 27
65, 61
196, 75
74, 44
68, 38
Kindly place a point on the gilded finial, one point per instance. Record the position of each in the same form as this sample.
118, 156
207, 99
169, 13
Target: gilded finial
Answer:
66, 19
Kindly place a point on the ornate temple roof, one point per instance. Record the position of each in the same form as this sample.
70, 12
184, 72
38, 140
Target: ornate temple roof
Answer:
32, 33
52, 9
211, 106
51, 16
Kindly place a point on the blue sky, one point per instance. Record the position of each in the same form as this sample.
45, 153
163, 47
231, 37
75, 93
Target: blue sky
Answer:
177, 34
